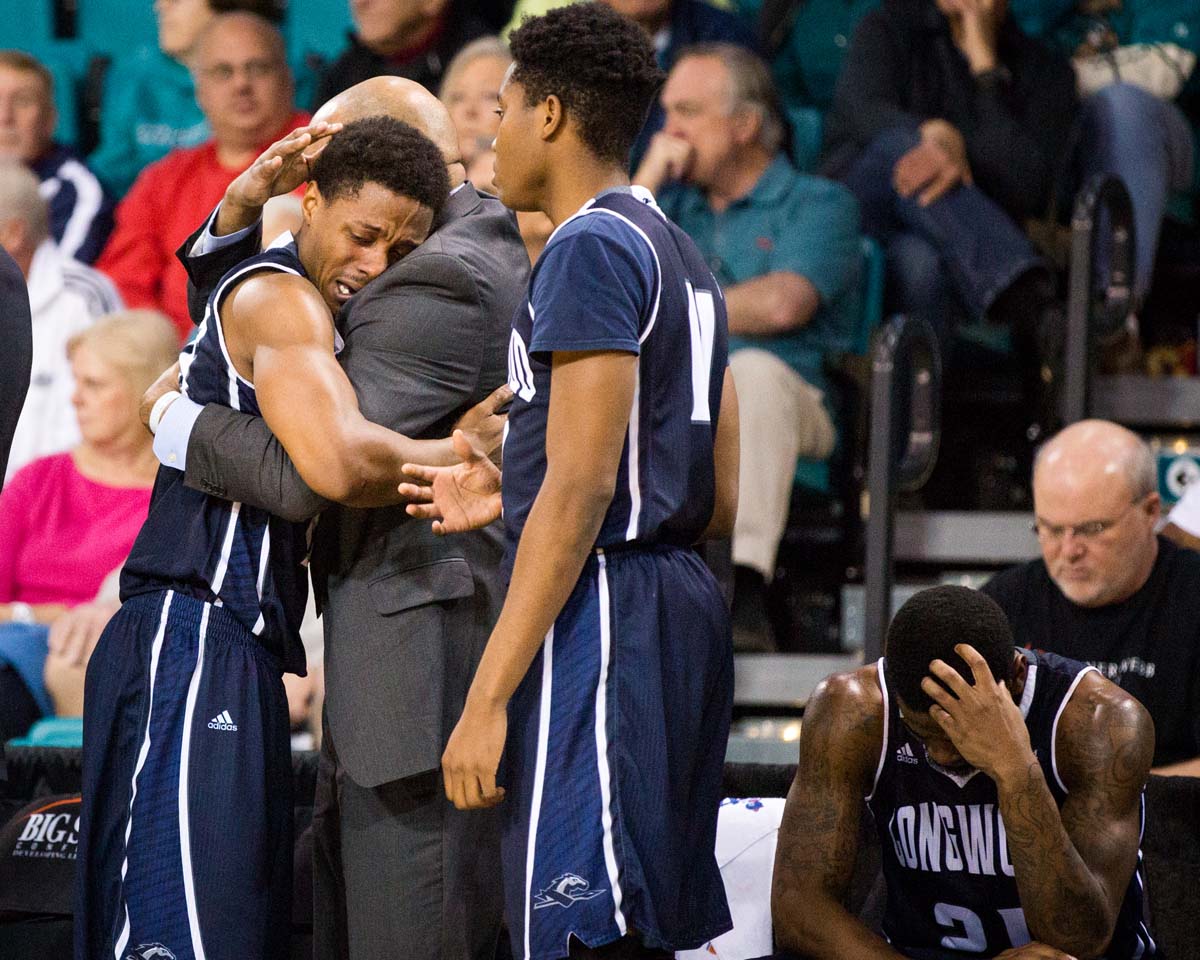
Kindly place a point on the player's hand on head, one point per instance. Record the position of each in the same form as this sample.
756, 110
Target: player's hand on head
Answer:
462, 497
1034, 951
483, 424
279, 169
981, 719
167, 381
472, 756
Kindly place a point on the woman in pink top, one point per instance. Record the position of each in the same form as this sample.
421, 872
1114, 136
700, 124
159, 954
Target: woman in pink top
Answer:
67, 521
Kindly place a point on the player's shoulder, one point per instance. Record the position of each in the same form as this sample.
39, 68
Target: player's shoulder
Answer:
599, 240
276, 299
848, 700
1102, 724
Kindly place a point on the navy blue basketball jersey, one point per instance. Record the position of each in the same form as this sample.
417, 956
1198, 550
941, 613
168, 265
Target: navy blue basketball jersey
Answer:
229, 554
951, 889
620, 276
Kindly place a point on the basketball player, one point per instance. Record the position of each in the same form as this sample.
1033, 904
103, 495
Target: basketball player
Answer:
607, 681
1005, 786
186, 824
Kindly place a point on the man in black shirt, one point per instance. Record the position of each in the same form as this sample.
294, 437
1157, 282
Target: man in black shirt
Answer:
1108, 590
402, 38
947, 123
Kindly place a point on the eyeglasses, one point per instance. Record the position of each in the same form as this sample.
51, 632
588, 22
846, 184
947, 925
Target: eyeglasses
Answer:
1089, 530
254, 70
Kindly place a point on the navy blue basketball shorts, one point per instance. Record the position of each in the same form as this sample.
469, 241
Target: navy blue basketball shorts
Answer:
185, 846
612, 766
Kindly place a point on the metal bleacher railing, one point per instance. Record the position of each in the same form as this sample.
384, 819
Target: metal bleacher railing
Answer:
906, 386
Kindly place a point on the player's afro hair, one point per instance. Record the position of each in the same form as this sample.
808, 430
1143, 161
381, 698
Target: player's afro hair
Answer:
599, 64
385, 151
927, 628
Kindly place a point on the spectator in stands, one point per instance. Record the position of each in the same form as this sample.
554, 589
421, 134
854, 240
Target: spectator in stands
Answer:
245, 89
1005, 788
149, 105
1132, 59
785, 248
806, 42
676, 25
1108, 590
64, 298
415, 39
68, 520
80, 210
948, 124
470, 90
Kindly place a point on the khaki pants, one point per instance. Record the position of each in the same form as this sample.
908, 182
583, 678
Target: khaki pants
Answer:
782, 418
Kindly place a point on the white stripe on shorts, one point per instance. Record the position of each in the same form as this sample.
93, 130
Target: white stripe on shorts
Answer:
185, 845
606, 821
155, 650
539, 777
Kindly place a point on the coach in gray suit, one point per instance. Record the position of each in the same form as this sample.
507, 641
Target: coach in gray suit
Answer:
397, 871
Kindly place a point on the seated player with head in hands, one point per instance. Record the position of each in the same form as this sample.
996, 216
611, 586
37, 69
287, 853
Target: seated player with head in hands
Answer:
1005, 786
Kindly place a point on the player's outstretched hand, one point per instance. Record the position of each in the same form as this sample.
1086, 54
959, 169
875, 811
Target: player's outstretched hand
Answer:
1034, 951
279, 170
473, 755
484, 423
463, 497
981, 719
167, 381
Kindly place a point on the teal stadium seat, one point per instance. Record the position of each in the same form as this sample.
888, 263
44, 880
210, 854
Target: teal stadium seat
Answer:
807, 128
867, 307
315, 31
53, 732
116, 27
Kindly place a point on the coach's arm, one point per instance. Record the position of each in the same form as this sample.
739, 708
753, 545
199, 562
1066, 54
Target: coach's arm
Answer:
408, 356
818, 837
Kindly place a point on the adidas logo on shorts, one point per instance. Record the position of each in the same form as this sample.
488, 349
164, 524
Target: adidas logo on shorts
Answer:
222, 721
903, 755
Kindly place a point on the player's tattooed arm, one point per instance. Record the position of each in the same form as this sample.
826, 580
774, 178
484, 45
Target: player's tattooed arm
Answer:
818, 837
1105, 747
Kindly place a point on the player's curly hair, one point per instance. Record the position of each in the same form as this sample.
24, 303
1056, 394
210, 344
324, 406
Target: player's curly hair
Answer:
599, 64
385, 151
927, 628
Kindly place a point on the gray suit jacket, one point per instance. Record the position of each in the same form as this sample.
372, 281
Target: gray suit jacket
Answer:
406, 613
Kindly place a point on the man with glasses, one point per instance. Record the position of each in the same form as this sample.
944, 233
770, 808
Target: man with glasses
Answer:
1108, 590
245, 90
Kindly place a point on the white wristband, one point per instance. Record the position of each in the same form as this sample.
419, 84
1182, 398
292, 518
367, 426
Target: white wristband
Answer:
160, 408
19, 612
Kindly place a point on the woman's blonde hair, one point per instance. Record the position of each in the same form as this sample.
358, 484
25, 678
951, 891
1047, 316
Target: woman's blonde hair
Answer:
492, 48
141, 344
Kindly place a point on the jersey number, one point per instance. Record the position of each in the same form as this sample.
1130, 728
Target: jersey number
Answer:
702, 317
968, 934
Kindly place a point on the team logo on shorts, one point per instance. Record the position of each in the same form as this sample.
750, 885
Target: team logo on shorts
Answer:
150, 951
222, 721
564, 891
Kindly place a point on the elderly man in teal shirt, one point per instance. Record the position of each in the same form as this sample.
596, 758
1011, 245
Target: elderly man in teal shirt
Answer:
785, 248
